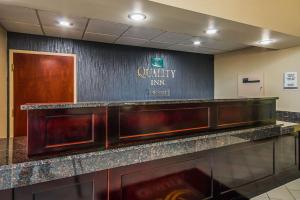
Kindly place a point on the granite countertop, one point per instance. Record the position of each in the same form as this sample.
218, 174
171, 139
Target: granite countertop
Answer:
124, 103
17, 170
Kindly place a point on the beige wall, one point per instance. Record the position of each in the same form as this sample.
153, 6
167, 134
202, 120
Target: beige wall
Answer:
3, 81
272, 63
277, 15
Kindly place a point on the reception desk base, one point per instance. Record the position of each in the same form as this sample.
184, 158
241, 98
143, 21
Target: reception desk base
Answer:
236, 164
56, 128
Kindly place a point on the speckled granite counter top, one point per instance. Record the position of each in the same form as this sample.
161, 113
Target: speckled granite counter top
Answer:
17, 170
124, 103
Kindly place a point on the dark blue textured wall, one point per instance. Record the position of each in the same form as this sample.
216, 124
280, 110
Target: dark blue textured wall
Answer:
109, 72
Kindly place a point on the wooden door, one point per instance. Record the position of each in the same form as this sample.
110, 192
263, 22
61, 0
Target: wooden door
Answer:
40, 78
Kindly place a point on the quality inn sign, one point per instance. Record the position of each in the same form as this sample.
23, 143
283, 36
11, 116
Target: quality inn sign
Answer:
157, 75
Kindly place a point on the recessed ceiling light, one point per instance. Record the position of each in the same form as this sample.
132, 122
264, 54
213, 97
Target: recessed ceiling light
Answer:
266, 42
197, 43
211, 31
137, 16
65, 23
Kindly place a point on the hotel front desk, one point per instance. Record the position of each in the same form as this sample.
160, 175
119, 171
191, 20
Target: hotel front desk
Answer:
60, 127
149, 150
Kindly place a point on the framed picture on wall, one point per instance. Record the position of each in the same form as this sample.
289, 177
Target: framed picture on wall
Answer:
290, 80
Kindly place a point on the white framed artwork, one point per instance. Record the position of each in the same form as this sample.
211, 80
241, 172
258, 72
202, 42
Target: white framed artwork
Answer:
290, 80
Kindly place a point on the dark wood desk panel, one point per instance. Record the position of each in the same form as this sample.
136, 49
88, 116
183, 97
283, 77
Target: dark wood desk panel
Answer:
6, 194
84, 187
64, 129
245, 113
148, 121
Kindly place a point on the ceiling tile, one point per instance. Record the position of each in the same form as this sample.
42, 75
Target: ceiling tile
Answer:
213, 44
208, 50
50, 19
22, 27
99, 37
171, 38
18, 14
142, 32
105, 27
156, 45
190, 48
63, 33
131, 41
281, 42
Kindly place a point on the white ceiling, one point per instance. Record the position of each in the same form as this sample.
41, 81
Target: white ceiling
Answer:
174, 29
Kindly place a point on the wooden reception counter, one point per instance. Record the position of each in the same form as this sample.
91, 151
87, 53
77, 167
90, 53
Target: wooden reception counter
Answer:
226, 164
60, 127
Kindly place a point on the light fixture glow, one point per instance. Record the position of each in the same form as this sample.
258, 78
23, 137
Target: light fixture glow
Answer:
137, 16
266, 42
65, 23
197, 43
211, 31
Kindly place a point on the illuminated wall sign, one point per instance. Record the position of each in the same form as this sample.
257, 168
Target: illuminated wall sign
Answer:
157, 62
158, 76
290, 80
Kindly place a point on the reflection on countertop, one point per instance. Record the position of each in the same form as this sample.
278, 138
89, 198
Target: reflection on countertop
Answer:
17, 170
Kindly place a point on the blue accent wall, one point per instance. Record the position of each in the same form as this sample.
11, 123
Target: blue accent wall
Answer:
109, 71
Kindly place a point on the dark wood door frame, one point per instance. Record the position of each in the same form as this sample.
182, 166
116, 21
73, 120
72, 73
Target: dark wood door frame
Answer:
10, 102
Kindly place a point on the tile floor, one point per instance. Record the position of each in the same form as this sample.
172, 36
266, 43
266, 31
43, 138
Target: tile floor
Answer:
289, 191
